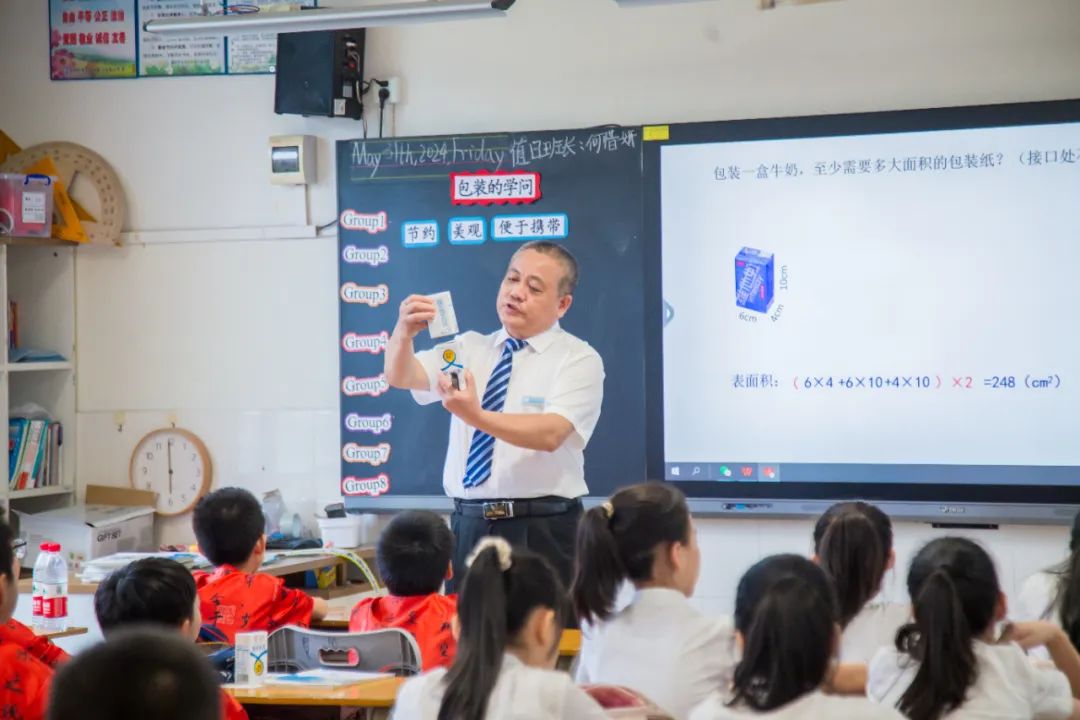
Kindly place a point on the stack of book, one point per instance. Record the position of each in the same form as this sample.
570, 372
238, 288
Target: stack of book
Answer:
34, 457
98, 569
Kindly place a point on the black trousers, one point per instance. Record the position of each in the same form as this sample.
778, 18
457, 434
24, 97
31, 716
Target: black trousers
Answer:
552, 536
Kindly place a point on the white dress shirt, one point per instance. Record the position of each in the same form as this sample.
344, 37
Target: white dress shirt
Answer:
812, 706
872, 629
555, 373
1039, 598
520, 693
1008, 685
1039, 601
662, 647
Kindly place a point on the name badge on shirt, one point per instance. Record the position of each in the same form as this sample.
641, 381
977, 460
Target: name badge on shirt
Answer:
532, 404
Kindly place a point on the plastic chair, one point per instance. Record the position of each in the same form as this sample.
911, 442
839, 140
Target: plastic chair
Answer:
294, 649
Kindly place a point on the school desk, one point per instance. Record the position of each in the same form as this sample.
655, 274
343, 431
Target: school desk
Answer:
281, 568
374, 696
56, 634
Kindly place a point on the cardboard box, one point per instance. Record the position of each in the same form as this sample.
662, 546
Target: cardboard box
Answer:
112, 520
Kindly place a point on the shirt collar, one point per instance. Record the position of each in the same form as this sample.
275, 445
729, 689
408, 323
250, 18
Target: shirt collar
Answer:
659, 597
225, 570
539, 343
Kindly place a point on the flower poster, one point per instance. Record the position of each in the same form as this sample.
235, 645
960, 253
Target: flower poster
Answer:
92, 39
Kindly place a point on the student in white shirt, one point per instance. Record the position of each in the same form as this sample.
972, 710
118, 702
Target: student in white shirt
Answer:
659, 645
785, 620
1054, 593
947, 665
510, 624
853, 544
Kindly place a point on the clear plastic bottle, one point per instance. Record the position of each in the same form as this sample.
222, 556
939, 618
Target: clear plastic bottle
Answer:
39, 576
54, 590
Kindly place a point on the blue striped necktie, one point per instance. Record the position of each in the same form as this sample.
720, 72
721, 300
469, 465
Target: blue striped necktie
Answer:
482, 447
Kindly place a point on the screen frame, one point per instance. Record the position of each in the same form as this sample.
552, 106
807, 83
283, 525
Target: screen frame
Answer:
869, 123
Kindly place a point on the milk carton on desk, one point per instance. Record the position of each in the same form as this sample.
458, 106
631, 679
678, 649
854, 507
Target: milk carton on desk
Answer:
251, 648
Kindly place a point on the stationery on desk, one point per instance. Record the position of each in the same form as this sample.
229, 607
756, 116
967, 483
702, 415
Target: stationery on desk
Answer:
324, 678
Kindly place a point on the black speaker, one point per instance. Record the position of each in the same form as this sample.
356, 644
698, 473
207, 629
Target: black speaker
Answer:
320, 73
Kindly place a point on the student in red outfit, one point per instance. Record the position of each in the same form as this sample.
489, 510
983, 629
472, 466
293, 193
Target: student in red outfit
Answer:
229, 527
413, 556
155, 591
24, 680
137, 674
42, 648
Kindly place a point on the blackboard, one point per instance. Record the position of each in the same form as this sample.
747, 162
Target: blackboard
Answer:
400, 233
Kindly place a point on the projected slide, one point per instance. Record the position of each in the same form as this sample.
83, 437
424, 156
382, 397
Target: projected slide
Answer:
862, 308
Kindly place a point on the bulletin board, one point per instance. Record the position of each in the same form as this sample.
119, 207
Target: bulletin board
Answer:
103, 39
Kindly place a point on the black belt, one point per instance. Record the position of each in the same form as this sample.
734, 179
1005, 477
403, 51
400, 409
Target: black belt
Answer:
506, 509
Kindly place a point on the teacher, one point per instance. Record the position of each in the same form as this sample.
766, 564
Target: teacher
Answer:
529, 398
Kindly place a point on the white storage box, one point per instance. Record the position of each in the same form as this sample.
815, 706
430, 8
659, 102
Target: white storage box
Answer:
92, 530
351, 531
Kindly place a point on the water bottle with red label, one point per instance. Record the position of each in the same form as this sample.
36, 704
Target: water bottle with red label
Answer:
52, 585
39, 574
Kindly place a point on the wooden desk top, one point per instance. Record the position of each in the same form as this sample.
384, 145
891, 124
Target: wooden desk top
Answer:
379, 693
279, 568
336, 619
570, 643
54, 634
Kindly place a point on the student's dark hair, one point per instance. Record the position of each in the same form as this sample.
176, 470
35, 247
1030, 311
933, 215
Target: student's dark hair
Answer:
150, 591
954, 591
618, 541
7, 553
1067, 598
228, 523
137, 674
493, 607
414, 553
853, 541
785, 609
569, 280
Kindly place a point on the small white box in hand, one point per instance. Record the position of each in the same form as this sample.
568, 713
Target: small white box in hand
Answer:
251, 658
445, 321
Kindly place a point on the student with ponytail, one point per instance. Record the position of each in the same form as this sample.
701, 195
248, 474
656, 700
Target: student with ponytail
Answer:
949, 663
786, 624
510, 621
1054, 594
853, 545
659, 645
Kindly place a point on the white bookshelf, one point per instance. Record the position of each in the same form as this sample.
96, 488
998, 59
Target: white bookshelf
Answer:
41, 280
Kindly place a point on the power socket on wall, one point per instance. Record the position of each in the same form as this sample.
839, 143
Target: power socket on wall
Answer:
393, 85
